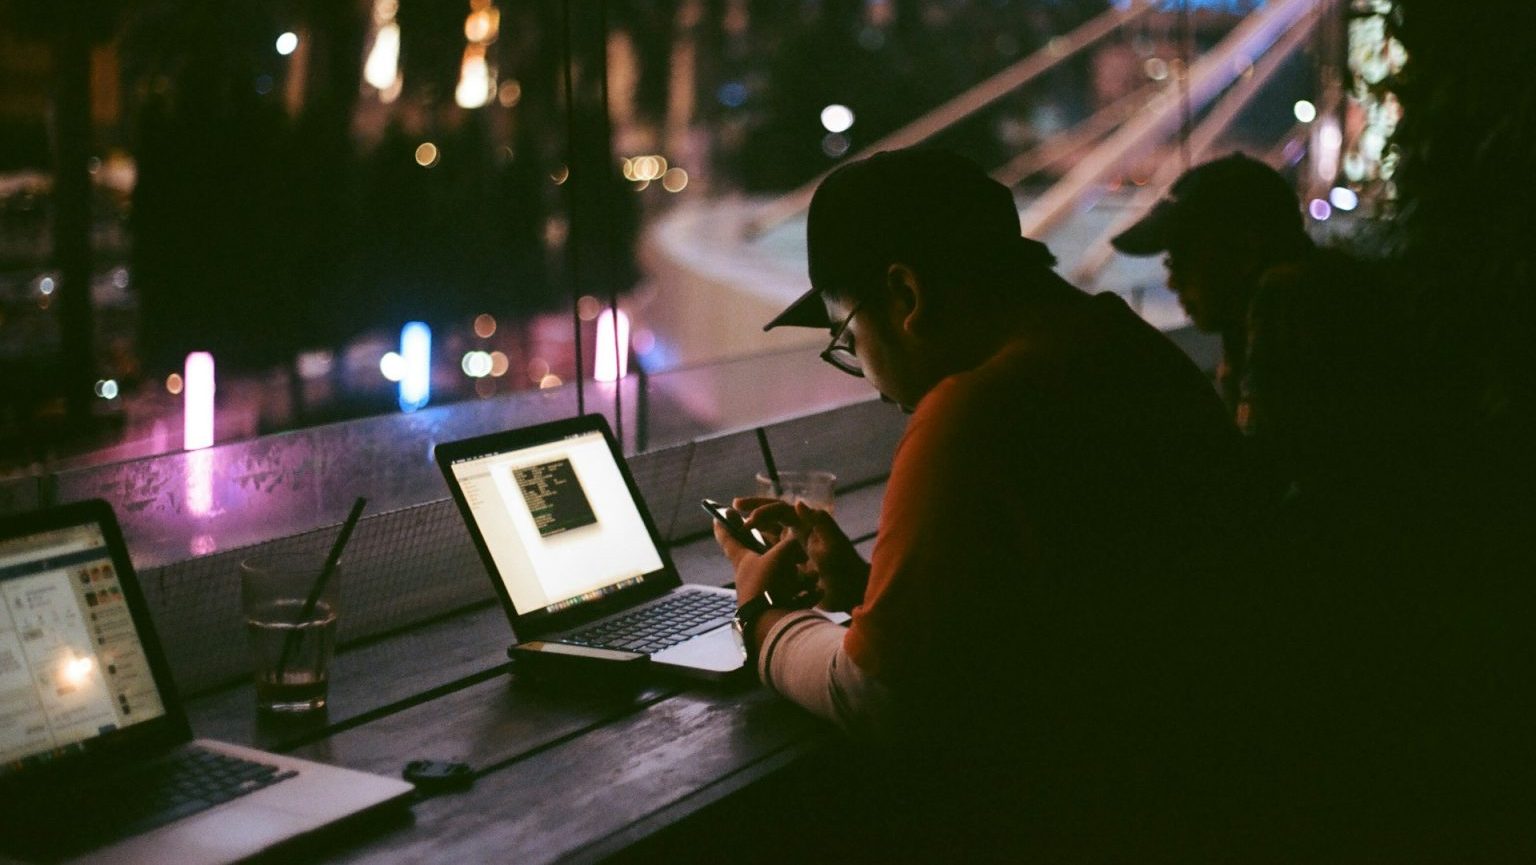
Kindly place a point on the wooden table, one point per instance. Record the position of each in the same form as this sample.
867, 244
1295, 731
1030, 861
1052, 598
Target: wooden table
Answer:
566, 775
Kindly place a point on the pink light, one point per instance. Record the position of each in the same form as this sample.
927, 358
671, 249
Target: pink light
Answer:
197, 401
604, 366
200, 483
1319, 209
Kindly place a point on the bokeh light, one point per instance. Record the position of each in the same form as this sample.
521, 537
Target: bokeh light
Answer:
499, 364
643, 169
476, 364
834, 144
392, 366
1343, 198
837, 118
509, 94
675, 180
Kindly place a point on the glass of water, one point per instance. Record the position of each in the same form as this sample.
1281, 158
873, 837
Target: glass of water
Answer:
815, 488
291, 621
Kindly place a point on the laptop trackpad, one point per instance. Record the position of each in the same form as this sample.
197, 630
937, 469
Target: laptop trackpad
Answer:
718, 651
225, 834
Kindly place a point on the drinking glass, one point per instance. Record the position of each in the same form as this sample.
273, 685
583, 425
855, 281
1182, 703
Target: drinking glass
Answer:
290, 618
815, 488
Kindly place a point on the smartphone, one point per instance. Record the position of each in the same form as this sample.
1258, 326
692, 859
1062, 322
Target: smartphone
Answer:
571, 653
752, 539
565, 665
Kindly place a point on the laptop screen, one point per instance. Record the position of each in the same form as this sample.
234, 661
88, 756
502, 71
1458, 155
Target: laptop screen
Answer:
559, 521
72, 666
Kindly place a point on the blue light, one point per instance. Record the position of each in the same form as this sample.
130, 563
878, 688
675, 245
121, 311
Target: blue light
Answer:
416, 352
732, 94
658, 355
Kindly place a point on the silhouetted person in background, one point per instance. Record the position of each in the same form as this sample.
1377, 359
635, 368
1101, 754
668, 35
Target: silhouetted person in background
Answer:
1222, 227
1037, 635
1316, 364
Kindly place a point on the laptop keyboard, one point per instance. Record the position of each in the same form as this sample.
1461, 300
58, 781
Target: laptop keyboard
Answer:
682, 616
145, 798
190, 781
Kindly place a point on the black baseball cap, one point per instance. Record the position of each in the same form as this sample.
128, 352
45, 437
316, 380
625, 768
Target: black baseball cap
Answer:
1235, 190
921, 206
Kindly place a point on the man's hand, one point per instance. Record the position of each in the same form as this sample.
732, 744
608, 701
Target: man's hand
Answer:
830, 557
775, 571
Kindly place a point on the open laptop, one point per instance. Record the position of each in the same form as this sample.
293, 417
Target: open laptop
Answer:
574, 554
97, 760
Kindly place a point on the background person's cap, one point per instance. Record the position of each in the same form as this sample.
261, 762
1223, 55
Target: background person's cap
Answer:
1235, 191
920, 206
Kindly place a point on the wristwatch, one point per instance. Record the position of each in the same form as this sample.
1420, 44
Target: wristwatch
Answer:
747, 614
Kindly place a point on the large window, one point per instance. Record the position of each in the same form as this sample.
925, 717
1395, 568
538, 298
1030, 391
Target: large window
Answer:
292, 213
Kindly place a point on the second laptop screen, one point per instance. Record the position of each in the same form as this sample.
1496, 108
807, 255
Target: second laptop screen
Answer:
559, 521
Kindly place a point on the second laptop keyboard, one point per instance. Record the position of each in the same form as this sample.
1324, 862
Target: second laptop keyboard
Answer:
666, 623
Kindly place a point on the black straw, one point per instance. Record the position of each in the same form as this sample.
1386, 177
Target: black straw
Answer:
331, 562
773, 470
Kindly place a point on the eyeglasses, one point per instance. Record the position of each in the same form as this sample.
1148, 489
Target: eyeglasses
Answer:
839, 352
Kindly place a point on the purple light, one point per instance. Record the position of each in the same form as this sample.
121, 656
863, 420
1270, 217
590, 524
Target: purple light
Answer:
1319, 209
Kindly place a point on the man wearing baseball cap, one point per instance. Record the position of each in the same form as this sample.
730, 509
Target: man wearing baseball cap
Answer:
1036, 604
1223, 226
1318, 364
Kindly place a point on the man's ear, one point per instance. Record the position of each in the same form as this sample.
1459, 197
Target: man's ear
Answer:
907, 297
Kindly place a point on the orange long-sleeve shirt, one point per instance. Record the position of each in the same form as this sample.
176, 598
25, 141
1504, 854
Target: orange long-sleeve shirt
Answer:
1044, 511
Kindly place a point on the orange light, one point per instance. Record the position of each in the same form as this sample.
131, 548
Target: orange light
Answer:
509, 94
76, 670
675, 180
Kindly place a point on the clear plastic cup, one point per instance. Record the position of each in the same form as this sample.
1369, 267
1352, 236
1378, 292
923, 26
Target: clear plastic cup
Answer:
815, 488
292, 641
